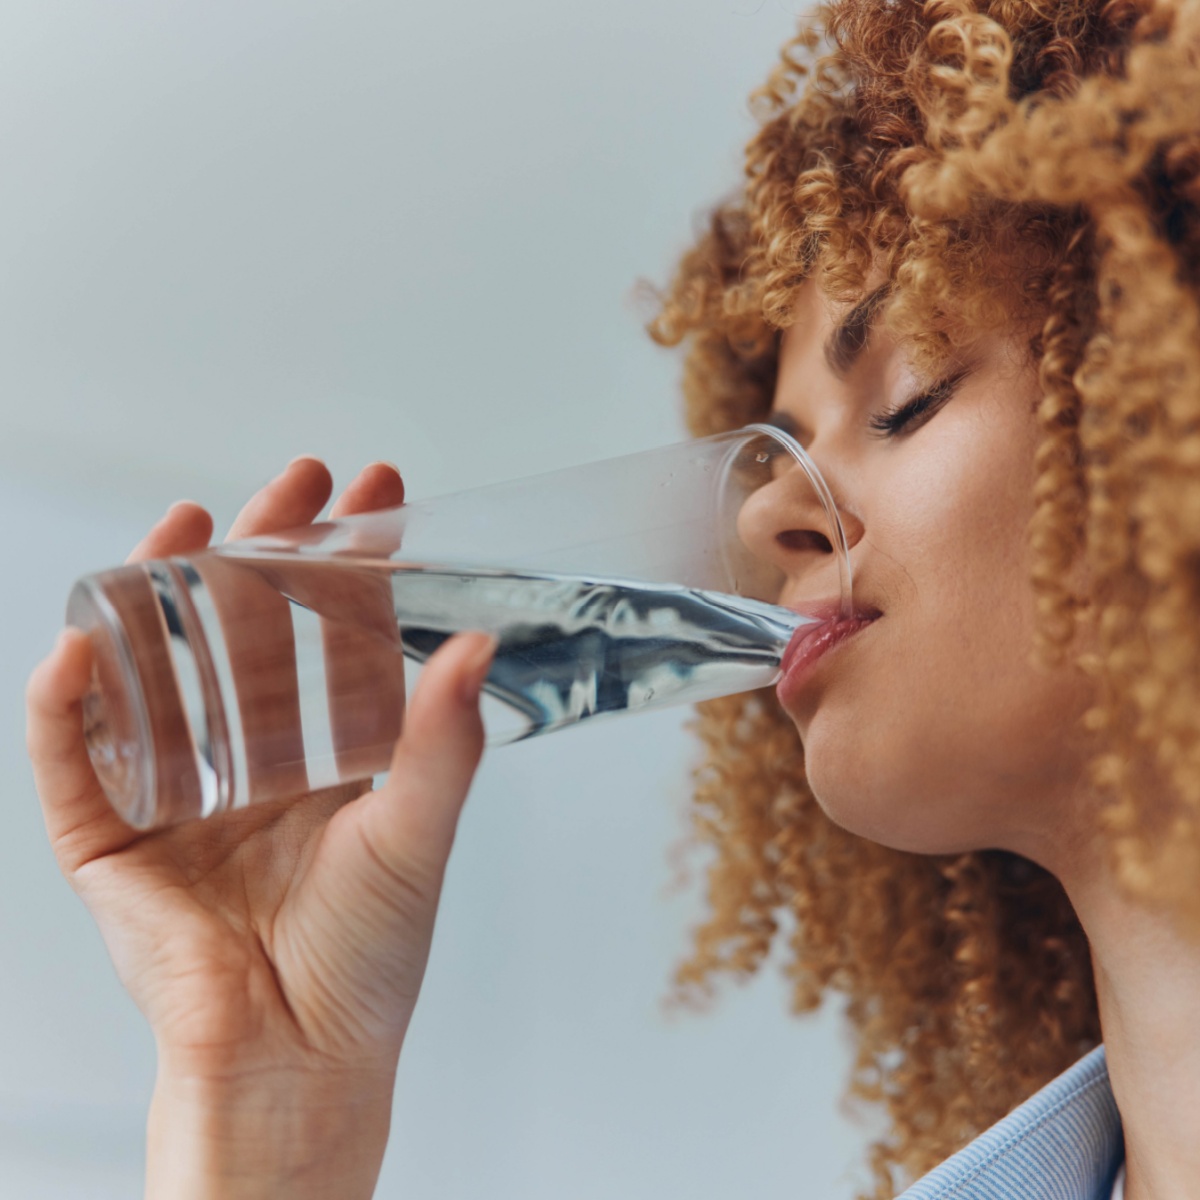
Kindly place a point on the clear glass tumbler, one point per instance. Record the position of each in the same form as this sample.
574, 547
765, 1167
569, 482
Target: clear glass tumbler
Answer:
280, 664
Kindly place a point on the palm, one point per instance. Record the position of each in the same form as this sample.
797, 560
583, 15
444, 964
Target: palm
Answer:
245, 922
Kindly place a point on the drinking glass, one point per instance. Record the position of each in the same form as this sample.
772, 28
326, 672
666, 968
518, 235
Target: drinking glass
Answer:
279, 664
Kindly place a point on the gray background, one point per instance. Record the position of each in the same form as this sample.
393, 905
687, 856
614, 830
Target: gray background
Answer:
235, 232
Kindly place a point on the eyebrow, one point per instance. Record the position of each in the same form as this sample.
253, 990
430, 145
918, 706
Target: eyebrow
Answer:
850, 338
846, 343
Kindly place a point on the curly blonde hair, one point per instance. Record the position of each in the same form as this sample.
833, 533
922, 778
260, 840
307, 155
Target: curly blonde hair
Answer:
997, 161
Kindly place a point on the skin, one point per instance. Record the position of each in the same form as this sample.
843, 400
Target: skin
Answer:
277, 952
930, 731
933, 731
939, 696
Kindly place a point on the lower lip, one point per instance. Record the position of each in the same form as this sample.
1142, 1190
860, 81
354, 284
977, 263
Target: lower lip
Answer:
803, 662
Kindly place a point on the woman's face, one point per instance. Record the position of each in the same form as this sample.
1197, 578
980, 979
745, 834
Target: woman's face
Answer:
930, 730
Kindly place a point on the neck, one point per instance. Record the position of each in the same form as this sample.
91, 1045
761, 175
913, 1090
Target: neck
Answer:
1148, 984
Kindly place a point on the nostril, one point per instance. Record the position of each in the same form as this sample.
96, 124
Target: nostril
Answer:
804, 539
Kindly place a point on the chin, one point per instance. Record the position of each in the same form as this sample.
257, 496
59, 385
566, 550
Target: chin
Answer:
850, 793
896, 808
867, 816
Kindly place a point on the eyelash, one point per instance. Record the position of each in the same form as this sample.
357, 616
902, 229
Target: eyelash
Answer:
891, 423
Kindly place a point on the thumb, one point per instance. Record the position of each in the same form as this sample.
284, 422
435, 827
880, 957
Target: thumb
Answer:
364, 918
409, 822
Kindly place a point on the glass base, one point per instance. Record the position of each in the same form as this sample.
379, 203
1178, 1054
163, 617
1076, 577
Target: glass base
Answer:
115, 721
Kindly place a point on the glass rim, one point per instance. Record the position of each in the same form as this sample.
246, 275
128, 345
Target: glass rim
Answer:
726, 444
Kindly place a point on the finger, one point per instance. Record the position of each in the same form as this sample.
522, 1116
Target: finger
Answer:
258, 606
360, 641
294, 497
183, 529
376, 486
410, 821
256, 622
79, 819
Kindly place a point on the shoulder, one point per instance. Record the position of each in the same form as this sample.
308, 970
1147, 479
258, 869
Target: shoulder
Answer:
1063, 1143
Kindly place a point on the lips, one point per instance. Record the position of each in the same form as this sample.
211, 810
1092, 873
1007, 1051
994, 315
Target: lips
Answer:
827, 613
811, 642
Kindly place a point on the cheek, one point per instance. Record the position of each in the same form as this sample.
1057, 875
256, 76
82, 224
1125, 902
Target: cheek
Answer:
937, 733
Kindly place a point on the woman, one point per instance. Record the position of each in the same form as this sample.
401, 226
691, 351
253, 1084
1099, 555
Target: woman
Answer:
964, 271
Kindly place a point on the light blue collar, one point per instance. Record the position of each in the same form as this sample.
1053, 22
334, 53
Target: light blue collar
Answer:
1063, 1143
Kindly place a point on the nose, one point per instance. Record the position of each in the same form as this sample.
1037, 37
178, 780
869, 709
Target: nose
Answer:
784, 525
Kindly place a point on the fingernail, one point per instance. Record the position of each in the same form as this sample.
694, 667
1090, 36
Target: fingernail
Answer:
382, 462
476, 669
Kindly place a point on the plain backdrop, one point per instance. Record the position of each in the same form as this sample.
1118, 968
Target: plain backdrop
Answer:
233, 232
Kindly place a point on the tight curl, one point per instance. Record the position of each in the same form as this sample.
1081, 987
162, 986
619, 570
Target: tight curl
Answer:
998, 161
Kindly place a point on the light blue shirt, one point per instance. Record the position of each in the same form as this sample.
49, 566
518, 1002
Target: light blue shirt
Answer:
1063, 1143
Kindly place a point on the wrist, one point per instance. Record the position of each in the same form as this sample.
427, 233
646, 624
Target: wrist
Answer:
267, 1134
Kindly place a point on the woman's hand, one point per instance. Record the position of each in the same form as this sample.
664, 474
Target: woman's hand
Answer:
276, 951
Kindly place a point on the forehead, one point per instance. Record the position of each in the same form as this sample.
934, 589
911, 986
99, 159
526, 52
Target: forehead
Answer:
812, 315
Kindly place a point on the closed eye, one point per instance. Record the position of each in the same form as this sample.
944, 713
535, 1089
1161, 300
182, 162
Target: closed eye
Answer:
899, 420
